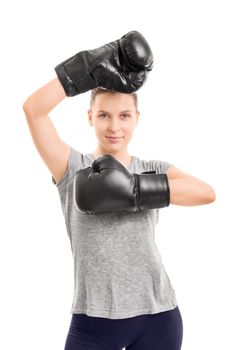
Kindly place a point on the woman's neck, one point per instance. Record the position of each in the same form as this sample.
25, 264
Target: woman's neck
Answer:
125, 159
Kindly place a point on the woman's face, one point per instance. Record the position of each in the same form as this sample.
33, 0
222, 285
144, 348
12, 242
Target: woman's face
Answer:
113, 115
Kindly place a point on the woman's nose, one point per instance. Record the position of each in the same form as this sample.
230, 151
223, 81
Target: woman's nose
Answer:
114, 125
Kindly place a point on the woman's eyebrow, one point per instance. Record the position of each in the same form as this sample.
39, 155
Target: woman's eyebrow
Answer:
127, 110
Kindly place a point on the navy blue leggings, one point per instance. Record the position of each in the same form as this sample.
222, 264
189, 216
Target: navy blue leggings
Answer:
161, 331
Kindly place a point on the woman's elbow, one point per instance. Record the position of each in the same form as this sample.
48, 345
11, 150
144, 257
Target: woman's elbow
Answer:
210, 195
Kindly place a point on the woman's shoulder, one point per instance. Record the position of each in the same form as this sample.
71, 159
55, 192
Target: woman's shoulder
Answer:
157, 165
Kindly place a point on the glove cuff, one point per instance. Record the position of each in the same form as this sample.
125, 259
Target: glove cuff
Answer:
74, 75
66, 82
154, 190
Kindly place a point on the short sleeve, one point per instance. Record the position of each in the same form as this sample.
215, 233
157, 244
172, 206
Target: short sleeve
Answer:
75, 163
160, 166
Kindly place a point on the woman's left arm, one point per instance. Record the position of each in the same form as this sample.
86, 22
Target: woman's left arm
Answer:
187, 190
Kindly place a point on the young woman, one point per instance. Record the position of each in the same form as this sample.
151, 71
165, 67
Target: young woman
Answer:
123, 297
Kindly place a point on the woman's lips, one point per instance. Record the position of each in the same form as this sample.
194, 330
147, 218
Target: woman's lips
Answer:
113, 139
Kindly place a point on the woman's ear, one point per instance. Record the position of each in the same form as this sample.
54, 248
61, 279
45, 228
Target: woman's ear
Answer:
89, 112
137, 117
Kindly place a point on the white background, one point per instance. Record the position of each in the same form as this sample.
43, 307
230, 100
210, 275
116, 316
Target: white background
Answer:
186, 114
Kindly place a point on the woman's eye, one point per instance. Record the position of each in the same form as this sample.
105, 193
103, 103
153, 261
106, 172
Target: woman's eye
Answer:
104, 114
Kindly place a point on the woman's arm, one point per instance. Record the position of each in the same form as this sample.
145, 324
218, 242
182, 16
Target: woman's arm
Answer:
52, 149
43, 100
187, 190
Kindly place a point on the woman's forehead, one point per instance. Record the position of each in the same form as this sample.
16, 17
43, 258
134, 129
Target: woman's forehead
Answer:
116, 101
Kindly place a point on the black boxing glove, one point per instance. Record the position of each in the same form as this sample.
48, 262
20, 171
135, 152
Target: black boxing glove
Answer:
108, 186
121, 65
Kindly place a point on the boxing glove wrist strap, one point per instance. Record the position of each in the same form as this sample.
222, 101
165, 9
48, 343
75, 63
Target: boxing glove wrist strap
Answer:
73, 74
153, 190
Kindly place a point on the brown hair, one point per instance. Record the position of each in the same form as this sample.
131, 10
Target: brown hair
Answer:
99, 90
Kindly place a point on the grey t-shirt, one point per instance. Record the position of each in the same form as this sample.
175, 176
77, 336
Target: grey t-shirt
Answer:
118, 270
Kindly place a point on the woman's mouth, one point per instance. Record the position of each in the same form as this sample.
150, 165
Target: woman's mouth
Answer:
113, 138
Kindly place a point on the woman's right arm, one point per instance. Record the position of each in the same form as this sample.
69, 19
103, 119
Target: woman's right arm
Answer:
54, 151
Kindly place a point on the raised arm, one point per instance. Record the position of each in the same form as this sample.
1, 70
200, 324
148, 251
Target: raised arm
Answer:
52, 149
116, 66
